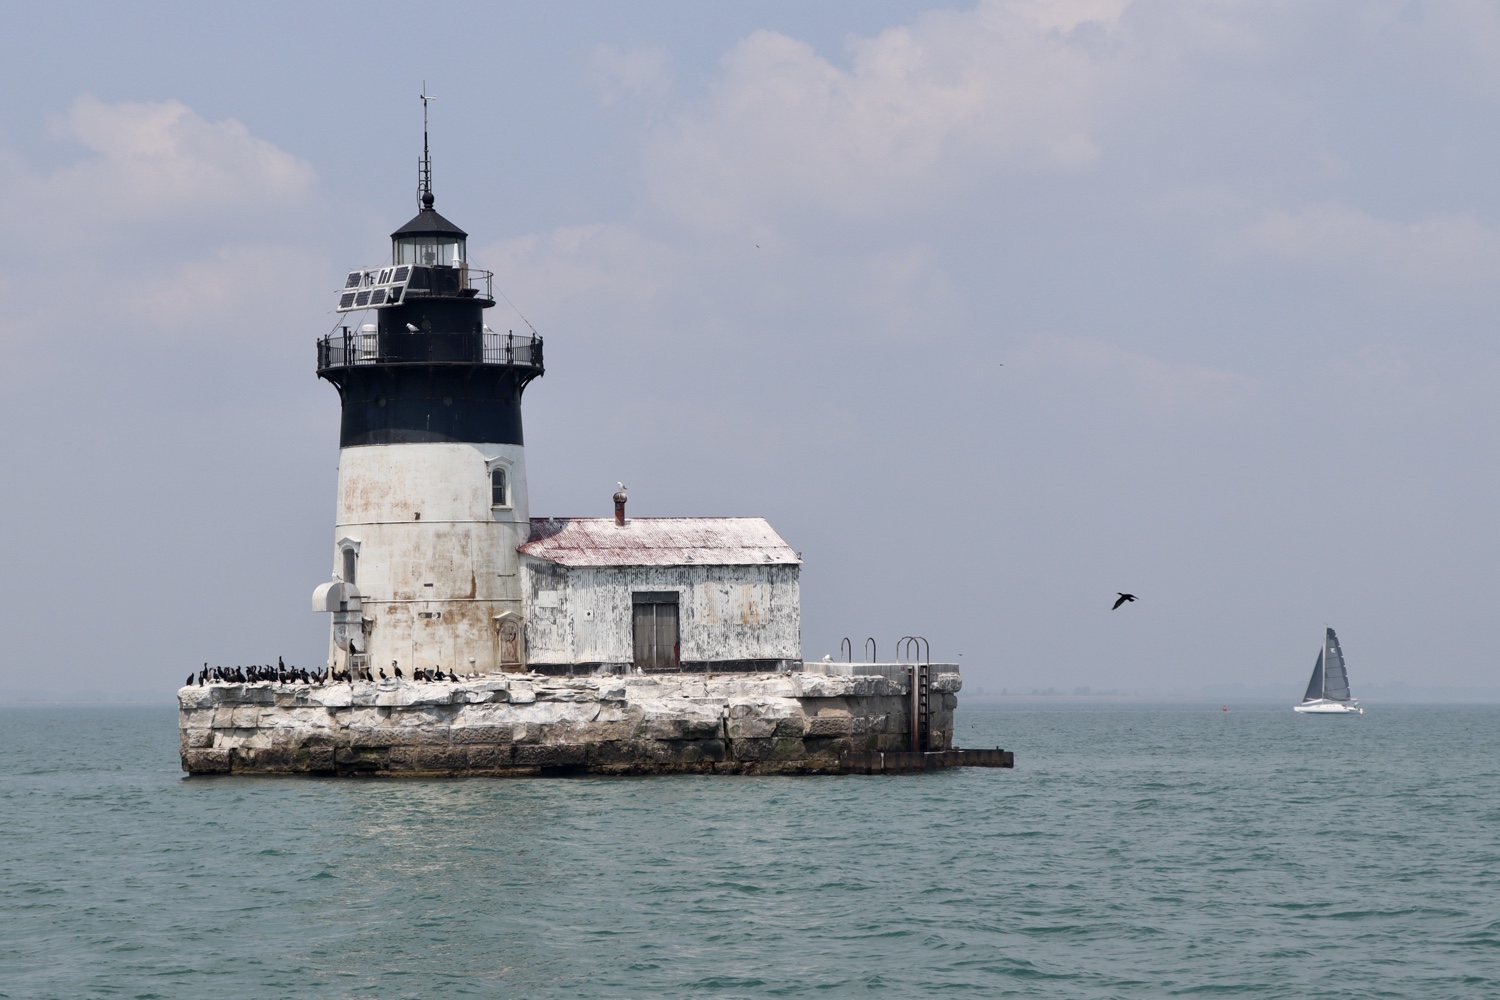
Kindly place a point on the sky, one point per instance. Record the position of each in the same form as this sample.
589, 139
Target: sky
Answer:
993, 310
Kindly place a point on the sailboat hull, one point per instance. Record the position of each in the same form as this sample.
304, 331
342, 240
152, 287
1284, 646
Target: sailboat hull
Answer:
1325, 707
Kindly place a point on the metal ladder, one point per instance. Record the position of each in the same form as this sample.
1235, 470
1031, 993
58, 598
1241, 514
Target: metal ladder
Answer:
921, 707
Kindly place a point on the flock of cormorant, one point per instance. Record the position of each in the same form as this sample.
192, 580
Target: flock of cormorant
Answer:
283, 674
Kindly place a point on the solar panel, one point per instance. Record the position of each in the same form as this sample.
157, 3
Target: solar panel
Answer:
374, 287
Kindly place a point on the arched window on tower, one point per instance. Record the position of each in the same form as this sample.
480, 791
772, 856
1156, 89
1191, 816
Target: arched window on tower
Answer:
351, 560
498, 495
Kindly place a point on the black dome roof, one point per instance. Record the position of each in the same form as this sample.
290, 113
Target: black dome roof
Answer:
429, 223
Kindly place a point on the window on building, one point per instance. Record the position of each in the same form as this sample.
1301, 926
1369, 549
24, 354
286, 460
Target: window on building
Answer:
350, 559
498, 496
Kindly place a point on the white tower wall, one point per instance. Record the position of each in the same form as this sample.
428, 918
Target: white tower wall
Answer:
435, 560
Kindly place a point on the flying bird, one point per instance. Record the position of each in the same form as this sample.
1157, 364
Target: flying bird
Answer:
1123, 599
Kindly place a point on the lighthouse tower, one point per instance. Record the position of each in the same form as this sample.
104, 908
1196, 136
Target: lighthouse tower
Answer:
432, 473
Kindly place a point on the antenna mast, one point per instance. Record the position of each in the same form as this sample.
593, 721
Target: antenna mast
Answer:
424, 166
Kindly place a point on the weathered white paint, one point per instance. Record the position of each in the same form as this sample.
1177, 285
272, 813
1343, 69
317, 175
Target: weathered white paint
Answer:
437, 564
582, 614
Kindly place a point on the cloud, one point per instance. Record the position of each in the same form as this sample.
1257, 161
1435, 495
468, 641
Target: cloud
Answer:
1442, 250
153, 163
578, 271
621, 74
1161, 387
200, 195
920, 108
194, 295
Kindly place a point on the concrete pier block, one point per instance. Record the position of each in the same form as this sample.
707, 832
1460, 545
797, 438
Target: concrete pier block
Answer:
788, 723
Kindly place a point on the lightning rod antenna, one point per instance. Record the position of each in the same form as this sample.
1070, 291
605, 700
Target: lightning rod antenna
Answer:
424, 168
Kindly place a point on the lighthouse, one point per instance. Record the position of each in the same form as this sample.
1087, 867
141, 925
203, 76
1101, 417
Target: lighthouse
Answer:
607, 645
432, 502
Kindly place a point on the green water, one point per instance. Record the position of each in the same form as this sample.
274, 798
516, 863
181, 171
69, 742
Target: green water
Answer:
1135, 851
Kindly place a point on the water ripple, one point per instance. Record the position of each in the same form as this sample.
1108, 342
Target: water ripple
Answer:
1138, 851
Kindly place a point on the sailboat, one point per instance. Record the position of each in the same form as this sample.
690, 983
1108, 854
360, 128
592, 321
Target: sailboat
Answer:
1328, 691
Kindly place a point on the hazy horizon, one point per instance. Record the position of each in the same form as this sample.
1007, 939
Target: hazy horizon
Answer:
992, 310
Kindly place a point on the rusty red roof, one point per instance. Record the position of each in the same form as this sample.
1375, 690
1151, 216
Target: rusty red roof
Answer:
657, 541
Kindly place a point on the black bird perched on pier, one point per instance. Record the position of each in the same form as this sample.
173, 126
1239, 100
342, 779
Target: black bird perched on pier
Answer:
397, 669
1123, 599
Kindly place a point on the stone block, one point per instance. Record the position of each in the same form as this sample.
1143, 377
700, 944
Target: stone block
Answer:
273, 758
697, 751
206, 762
360, 758
473, 735
406, 758
837, 723
702, 727
948, 683
752, 749
661, 726
441, 758
552, 755
613, 752
788, 748
320, 760
422, 757
553, 692
333, 696
521, 694
245, 717
792, 725
190, 698
420, 736
199, 739
749, 726
487, 756
608, 731
827, 749
369, 737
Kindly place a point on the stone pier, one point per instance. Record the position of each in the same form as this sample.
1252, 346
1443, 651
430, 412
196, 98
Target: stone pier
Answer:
801, 722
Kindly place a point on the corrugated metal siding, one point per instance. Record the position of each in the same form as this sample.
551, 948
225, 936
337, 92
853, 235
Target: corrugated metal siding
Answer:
727, 612
658, 541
